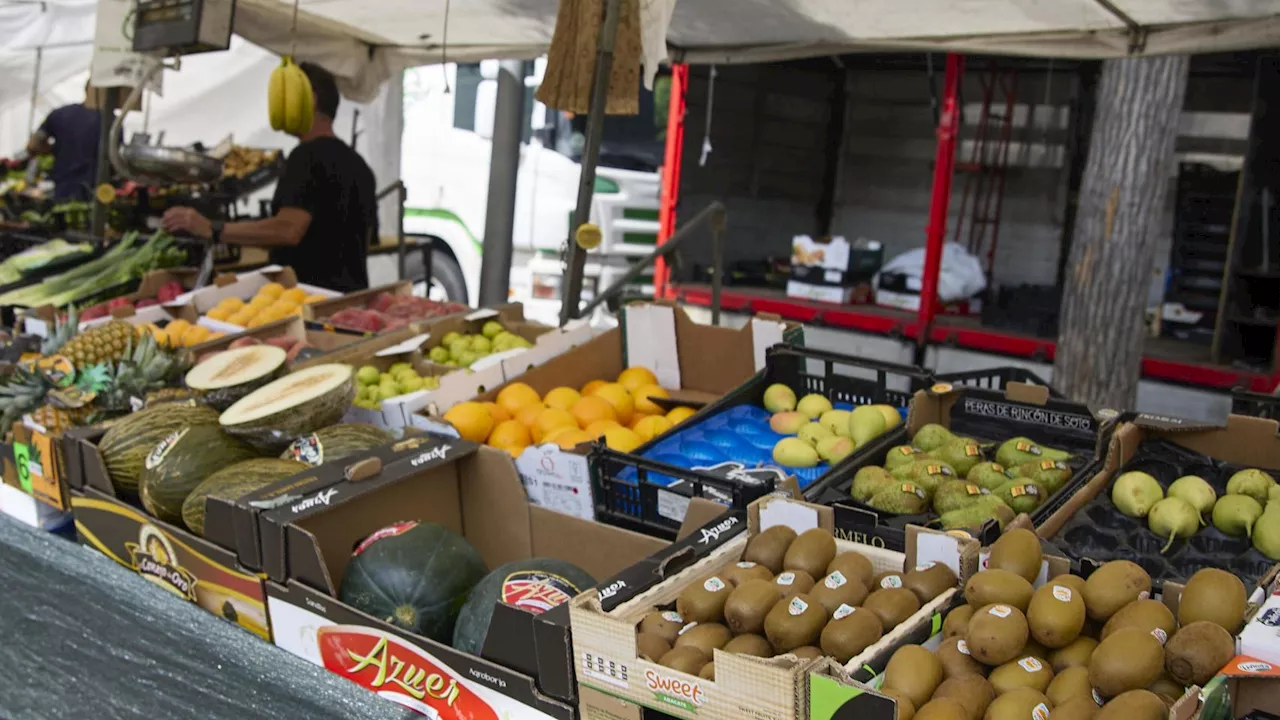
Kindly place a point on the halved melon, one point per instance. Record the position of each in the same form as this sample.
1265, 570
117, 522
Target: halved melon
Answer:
229, 375
302, 402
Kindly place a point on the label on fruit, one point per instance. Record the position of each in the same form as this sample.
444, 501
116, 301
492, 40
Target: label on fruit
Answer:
797, 606
938, 470
997, 467
1097, 698
746, 565
1062, 593
1052, 465
672, 616
785, 578
843, 612
386, 532
925, 566
536, 591
972, 451
911, 488
976, 490
1027, 447
1040, 712
892, 581
687, 628
835, 580
307, 449
941, 387
1000, 611
908, 450
1031, 664
1020, 490
713, 584
962, 646
156, 456
1160, 634
1144, 595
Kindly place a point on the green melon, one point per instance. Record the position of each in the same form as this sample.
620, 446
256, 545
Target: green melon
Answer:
535, 585
415, 576
233, 482
336, 442
225, 377
299, 403
125, 446
182, 461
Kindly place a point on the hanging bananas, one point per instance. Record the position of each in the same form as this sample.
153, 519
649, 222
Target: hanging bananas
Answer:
290, 102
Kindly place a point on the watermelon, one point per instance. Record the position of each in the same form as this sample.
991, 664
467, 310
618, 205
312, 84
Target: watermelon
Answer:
182, 461
125, 446
413, 575
335, 443
229, 375
535, 585
235, 481
299, 403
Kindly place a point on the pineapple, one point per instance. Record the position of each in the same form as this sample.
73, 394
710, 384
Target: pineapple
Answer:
23, 391
63, 331
102, 344
146, 369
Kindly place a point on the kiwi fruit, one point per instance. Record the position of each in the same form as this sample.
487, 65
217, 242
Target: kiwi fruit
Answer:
1076, 708
1216, 596
997, 634
708, 671
973, 692
1129, 659
770, 547
1149, 615
1035, 649
915, 671
703, 601
793, 582
847, 636
1076, 654
743, 571
837, 589
794, 622
746, 606
853, 565
754, 645
942, 709
998, 586
956, 661
807, 652
1114, 585
1026, 671
929, 581
1134, 705
893, 606
1017, 551
811, 552
1197, 652
665, 624
651, 647
1055, 615
687, 659
707, 637
957, 622
886, 581
906, 709
1169, 690
1068, 684
1019, 704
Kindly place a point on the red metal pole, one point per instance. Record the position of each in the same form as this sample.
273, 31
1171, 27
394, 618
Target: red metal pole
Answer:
671, 174
943, 165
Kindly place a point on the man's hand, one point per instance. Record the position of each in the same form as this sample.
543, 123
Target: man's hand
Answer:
187, 220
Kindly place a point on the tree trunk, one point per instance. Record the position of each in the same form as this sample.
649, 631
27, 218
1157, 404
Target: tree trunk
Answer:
1122, 197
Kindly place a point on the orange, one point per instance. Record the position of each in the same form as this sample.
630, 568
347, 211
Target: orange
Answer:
554, 434
528, 414
195, 335
471, 419
513, 450
498, 413
551, 419
177, 328
562, 398
297, 295
271, 290
680, 414
644, 404
622, 439
591, 387
231, 303
619, 398
593, 409
509, 432
219, 313
597, 428
517, 395
652, 426
635, 377
570, 438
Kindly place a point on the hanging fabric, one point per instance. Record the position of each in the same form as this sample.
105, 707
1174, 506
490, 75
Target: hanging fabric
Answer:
571, 61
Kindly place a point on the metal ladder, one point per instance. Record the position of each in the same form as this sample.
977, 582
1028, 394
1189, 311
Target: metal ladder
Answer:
978, 219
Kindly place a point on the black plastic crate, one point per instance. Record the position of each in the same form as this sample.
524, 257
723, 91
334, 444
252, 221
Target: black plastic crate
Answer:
997, 378
1245, 402
627, 495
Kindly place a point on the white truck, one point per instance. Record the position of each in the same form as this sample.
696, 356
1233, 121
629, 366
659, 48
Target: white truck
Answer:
445, 160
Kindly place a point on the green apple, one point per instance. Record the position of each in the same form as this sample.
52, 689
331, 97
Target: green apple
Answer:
466, 358
492, 329
448, 338
410, 384
481, 344
438, 354
396, 368
431, 383
368, 375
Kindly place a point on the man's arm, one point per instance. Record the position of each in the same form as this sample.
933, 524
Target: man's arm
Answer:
39, 144
285, 229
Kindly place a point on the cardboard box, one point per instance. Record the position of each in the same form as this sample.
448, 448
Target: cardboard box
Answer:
296, 328
178, 561
306, 527
827, 269
1245, 686
604, 640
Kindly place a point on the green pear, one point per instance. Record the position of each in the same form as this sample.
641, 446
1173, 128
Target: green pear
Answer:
1135, 493
989, 507
1195, 491
1049, 473
928, 474
988, 475
834, 448
931, 437
1252, 482
787, 423
892, 418
813, 432
866, 423
1021, 495
794, 452
812, 406
903, 455
868, 481
1016, 451
1266, 533
779, 398
960, 455
1173, 518
837, 421
956, 495
902, 498
1235, 515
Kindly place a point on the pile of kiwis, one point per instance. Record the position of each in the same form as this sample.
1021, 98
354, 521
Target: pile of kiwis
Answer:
1074, 647
788, 595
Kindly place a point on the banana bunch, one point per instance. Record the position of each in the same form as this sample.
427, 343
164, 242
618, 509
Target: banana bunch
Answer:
289, 100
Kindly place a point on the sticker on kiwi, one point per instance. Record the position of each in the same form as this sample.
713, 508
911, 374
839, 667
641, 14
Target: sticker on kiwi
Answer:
1031, 664
687, 628
797, 606
785, 578
844, 611
1040, 712
1160, 634
713, 584
672, 616
1097, 698
1062, 593
1000, 611
746, 564
835, 580
962, 646
925, 566
1144, 595
890, 582
158, 453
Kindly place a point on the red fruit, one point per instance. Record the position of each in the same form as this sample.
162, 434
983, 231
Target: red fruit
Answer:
95, 312
294, 351
147, 302
382, 302
284, 342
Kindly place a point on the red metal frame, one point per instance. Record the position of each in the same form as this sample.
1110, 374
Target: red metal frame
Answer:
987, 169
671, 173
943, 167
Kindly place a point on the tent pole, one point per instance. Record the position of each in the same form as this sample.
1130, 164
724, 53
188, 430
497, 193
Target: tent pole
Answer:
676, 105
943, 164
571, 290
504, 167
35, 92
108, 98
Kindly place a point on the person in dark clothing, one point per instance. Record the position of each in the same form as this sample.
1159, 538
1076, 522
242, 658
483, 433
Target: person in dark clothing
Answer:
325, 208
71, 134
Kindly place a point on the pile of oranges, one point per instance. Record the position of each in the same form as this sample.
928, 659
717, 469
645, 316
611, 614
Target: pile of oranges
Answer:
622, 413
272, 303
180, 333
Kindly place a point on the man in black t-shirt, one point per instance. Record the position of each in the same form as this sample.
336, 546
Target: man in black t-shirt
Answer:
326, 213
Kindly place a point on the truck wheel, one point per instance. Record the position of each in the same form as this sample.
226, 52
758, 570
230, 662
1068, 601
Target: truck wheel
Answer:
446, 279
